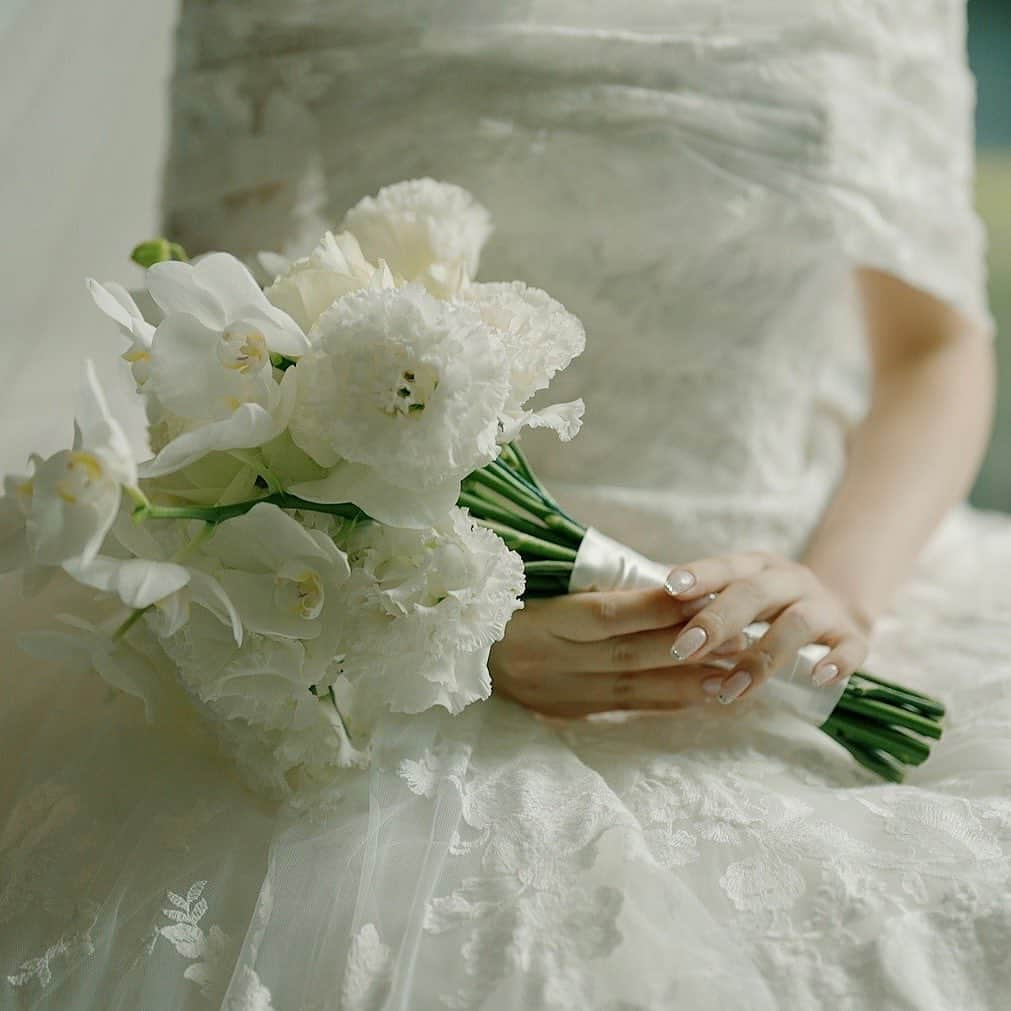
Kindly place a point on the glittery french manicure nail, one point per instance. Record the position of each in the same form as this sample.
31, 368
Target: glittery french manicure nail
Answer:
678, 581
734, 686
823, 675
690, 641
712, 686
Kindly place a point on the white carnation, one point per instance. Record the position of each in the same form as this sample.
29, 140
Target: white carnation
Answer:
286, 741
408, 391
540, 337
426, 231
427, 606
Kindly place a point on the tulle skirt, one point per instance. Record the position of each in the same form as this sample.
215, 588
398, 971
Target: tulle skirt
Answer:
728, 857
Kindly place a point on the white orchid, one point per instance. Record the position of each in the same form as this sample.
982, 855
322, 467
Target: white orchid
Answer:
119, 305
284, 580
540, 337
427, 606
426, 231
402, 400
139, 566
210, 380
312, 284
65, 507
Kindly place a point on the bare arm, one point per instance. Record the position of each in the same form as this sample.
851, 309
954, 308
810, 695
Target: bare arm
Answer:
912, 457
916, 452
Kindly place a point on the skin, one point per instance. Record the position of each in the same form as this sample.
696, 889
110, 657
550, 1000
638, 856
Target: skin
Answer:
914, 455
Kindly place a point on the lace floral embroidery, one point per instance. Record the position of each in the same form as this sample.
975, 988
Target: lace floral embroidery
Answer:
367, 977
76, 943
212, 953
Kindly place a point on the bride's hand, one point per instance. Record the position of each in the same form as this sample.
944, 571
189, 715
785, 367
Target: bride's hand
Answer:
757, 586
596, 652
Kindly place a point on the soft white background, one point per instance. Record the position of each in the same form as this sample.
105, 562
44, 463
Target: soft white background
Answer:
83, 121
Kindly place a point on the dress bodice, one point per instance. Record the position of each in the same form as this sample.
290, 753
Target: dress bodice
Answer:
694, 180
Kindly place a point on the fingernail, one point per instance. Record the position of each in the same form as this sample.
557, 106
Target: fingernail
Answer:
690, 641
692, 607
823, 675
678, 581
712, 686
734, 686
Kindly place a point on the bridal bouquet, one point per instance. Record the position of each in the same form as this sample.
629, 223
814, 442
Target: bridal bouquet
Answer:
335, 521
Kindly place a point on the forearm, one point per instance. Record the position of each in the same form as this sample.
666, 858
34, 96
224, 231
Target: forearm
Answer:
914, 456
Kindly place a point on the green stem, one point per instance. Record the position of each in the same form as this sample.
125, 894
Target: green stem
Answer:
867, 757
249, 459
934, 711
563, 569
482, 509
131, 621
218, 514
906, 749
573, 532
889, 715
530, 547
528, 474
901, 689
513, 491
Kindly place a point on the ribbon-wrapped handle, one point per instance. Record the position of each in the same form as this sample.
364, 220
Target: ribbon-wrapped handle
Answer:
605, 564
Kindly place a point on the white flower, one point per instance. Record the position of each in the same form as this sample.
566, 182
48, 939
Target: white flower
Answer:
426, 608
287, 741
220, 478
402, 400
138, 568
284, 580
118, 304
311, 285
540, 338
210, 380
68, 503
426, 231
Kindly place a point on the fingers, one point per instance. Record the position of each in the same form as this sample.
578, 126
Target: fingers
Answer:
741, 603
687, 582
662, 689
839, 663
796, 627
637, 652
591, 617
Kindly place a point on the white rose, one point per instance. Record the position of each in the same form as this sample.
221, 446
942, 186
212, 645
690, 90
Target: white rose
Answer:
311, 285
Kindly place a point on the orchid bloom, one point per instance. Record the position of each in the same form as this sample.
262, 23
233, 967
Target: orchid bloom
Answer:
65, 507
210, 372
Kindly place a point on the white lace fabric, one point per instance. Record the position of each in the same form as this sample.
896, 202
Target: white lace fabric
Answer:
695, 180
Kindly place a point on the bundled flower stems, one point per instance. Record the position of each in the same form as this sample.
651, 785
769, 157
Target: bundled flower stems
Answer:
335, 522
884, 726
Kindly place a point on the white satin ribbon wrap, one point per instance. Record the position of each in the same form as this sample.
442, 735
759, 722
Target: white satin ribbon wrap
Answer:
605, 564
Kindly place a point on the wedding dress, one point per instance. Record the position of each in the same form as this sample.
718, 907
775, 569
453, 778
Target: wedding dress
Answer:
695, 180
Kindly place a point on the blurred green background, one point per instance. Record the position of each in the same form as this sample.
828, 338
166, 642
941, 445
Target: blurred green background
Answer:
990, 55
